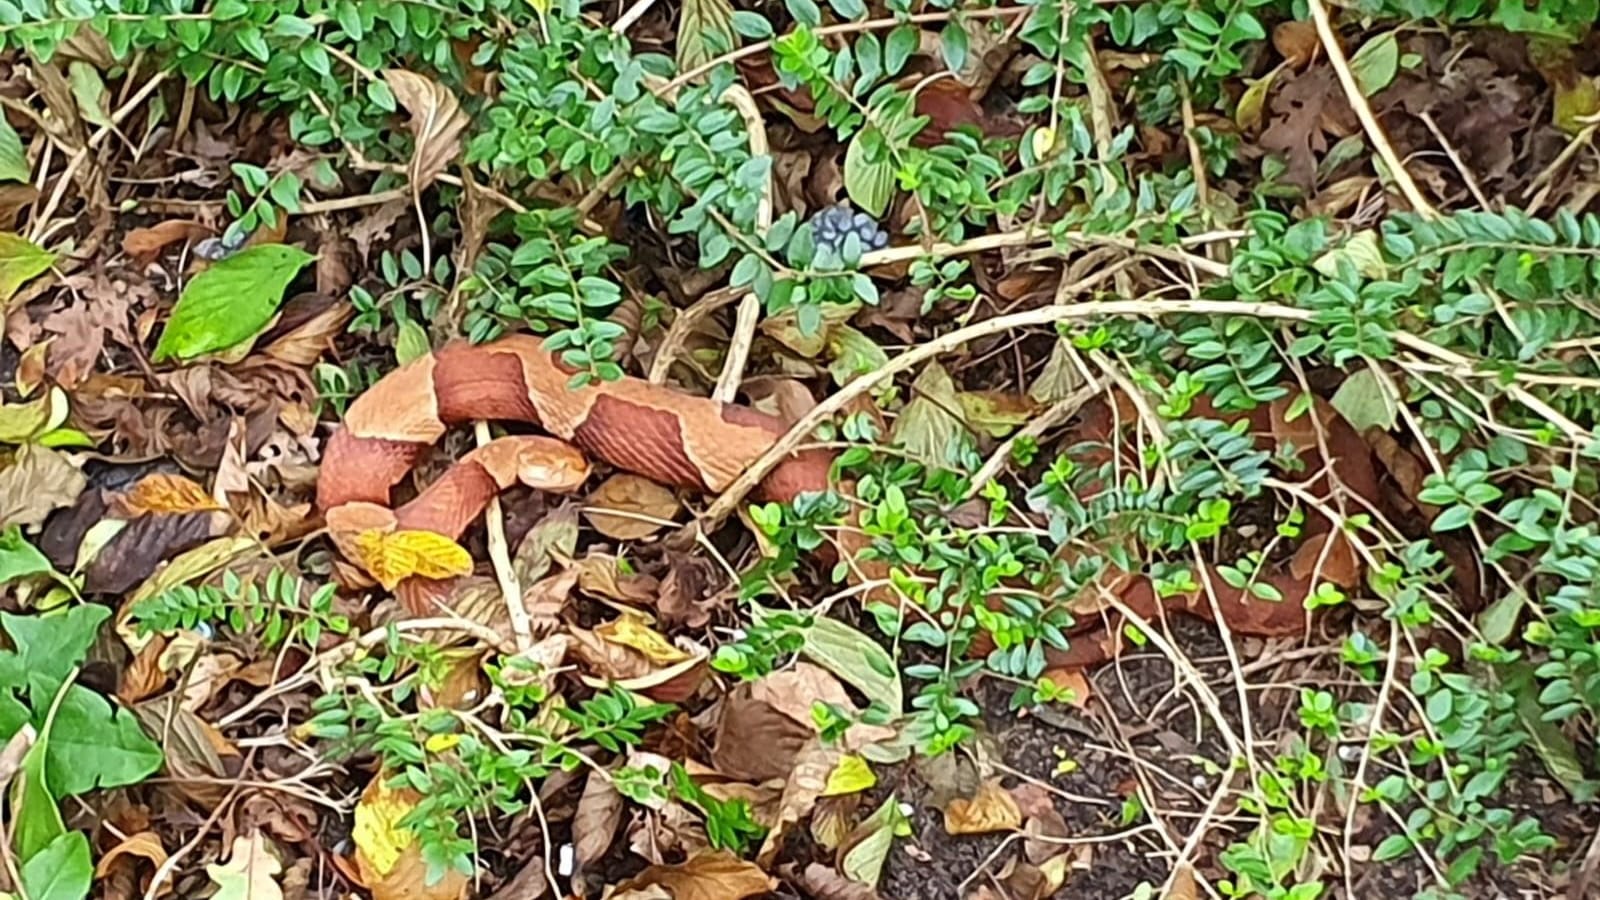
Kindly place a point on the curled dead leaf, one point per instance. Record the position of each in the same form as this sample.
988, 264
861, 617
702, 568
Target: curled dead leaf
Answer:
1296, 41
992, 808
594, 826
145, 244
436, 123
630, 630
636, 501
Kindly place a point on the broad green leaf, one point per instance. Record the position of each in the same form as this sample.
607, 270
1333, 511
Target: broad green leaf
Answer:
931, 427
21, 261
230, 302
1554, 746
870, 183
13, 156
62, 871
954, 43
705, 31
857, 659
1393, 847
1376, 63
33, 805
90, 92
902, 42
1365, 401
865, 859
93, 745
49, 646
20, 559
21, 423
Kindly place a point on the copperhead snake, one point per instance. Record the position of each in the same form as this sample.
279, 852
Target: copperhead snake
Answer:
701, 444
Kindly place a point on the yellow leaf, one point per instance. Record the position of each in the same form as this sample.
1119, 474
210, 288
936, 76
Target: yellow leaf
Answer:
629, 630
392, 557
1248, 113
1042, 142
388, 856
991, 809
249, 872
850, 776
24, 422
441, 743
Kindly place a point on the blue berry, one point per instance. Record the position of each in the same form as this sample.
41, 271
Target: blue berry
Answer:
832, 225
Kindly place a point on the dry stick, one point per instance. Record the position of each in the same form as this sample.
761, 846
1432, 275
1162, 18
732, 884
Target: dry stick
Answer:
1059, 412
1366, 749
1545, 180
500, 555
744, 331
1369, 122
1455, 158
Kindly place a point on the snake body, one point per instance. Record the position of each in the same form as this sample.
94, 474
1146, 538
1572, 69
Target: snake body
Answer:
697, 444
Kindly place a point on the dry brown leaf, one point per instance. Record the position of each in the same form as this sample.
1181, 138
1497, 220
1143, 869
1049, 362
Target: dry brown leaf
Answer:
392, 557
336, 256
1183, 886
31, 368
1296, 41
436, 123
755, 741
612, 662
600, 575
1337, 564
306, 342
1045, 834
376, 226
991, 809
163, 493
713, 875
144, 845
594, 825
38, 482
804, 786
145, 244
632, 496
389, 857
823, 883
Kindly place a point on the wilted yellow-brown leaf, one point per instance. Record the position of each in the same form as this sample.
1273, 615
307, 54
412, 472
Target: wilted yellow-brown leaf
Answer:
436, 123
144, 845
250, 872
991, 809
629, 630
388, 856
633, 497
712, 875
164, 493
392, 557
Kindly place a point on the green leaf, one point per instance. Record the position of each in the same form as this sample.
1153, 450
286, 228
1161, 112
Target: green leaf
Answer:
33, 806
13, 156
805, 12
855, 658
850, 9
230, 302
410, 342
93, 746
21, 261
1376, 63
50, 646
870, 183
1393, 847
90, 92
1365, 401
752, 24
62, 871
953, 42
903, 41
20, 559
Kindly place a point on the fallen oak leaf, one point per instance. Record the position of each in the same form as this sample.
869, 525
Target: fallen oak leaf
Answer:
991, 809
250, 872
